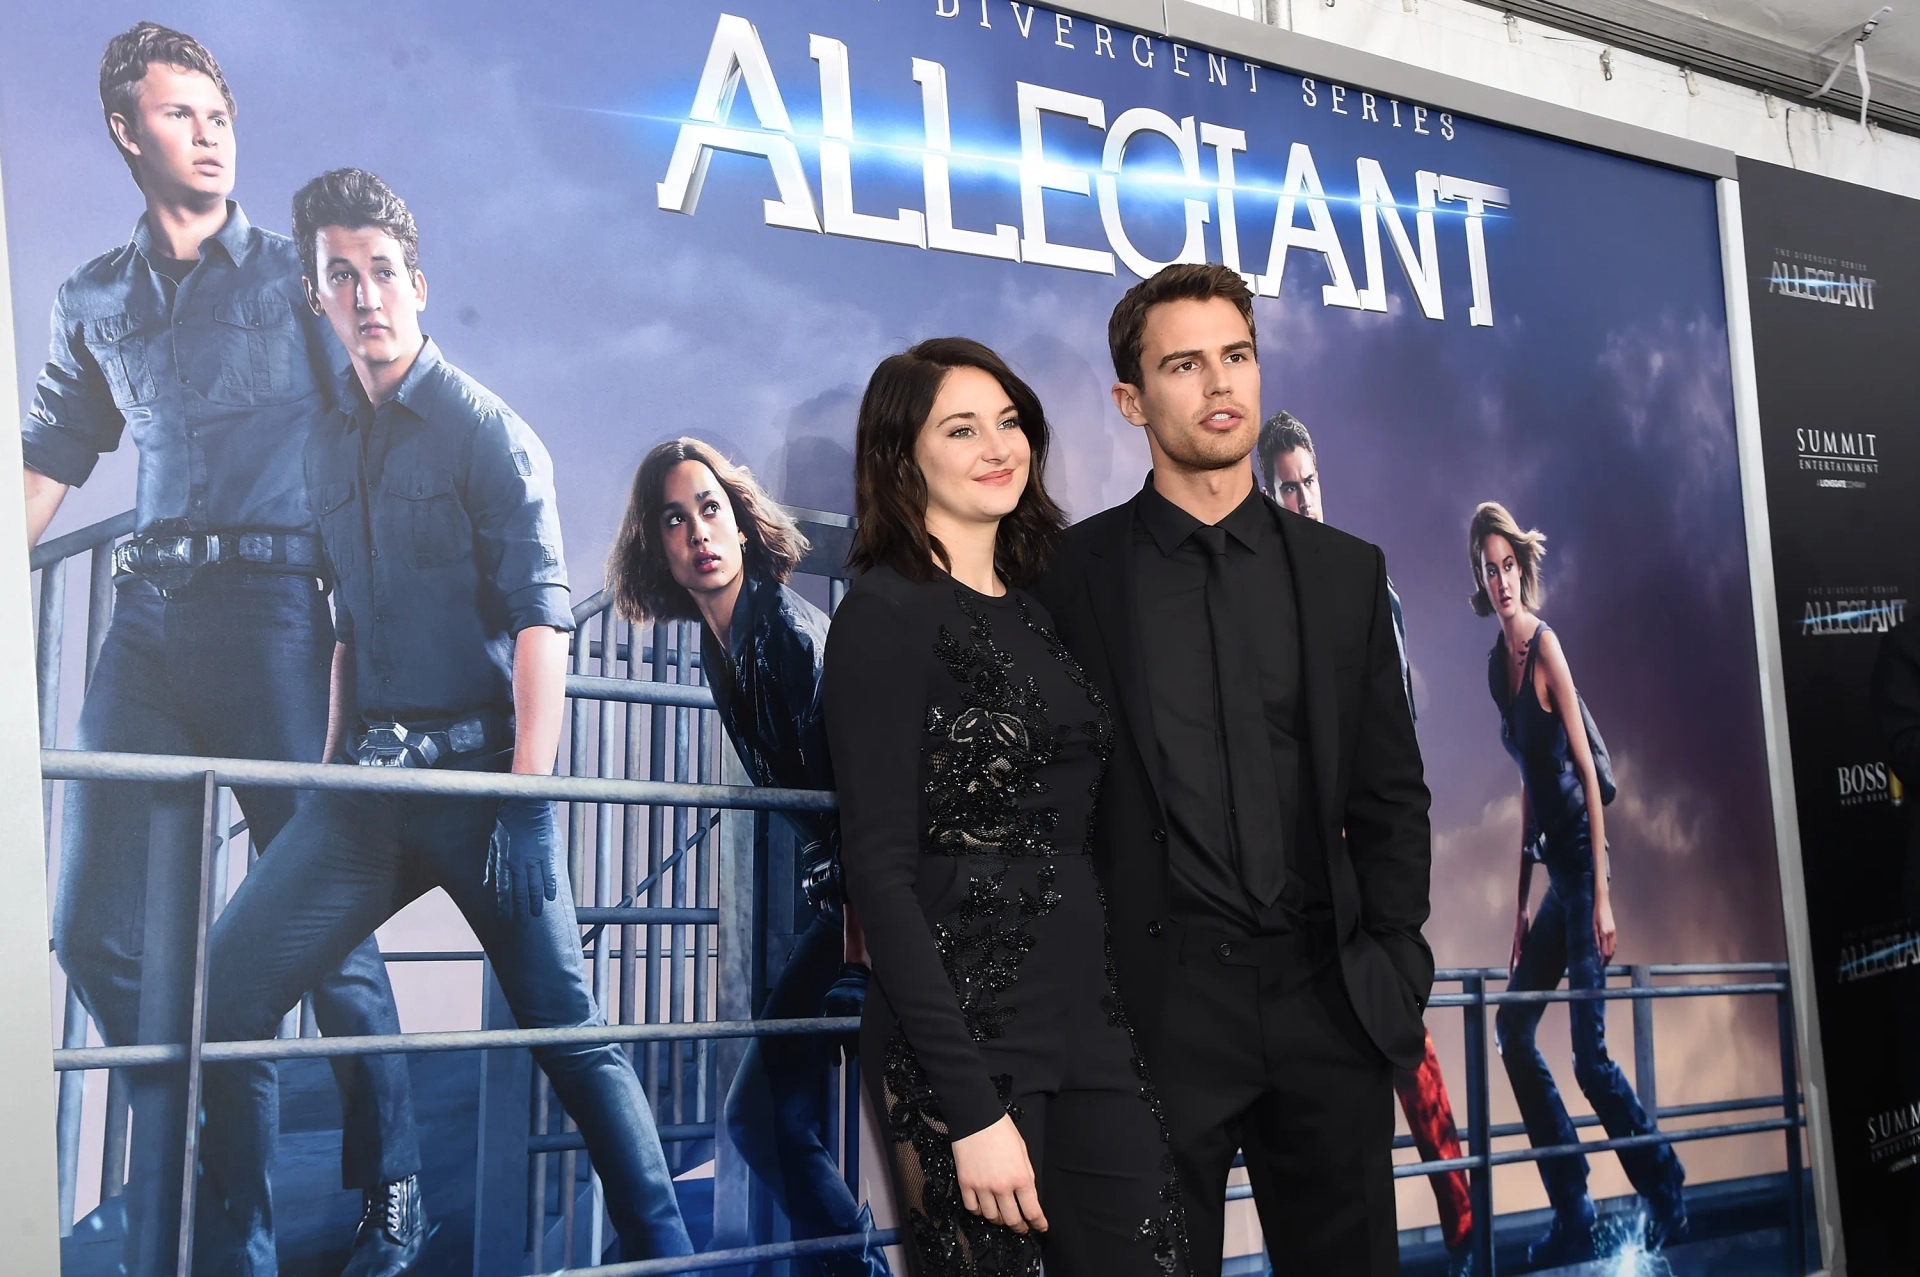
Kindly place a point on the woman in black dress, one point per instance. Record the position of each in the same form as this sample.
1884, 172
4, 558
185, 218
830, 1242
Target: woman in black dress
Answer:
968, 748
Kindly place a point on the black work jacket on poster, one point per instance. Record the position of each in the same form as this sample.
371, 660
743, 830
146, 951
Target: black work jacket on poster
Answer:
766, 687
1370, 793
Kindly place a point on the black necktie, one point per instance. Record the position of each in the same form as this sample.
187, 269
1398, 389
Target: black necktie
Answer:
1260, 841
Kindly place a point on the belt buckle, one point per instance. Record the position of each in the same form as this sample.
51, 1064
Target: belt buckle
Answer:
382, 745
170, 552
394, 745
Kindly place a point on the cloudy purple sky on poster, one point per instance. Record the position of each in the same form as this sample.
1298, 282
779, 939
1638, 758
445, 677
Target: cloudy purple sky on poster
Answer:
1598, 406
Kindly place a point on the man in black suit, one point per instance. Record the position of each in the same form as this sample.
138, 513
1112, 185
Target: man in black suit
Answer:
1262, 833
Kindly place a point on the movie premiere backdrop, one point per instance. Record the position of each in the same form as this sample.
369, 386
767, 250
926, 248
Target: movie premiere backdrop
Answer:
713, 218
1832, 282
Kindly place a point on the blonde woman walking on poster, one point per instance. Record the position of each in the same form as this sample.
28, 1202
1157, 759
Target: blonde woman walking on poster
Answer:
1566, 781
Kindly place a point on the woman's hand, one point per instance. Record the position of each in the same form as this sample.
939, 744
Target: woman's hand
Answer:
1605, 937
996, 1179
1519, 939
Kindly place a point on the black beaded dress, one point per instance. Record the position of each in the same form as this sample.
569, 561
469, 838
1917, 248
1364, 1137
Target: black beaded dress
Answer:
968, 750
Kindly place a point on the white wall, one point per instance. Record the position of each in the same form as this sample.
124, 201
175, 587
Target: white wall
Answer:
1474, 42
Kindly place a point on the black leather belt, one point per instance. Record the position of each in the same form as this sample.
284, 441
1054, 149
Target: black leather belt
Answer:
820, 878
149, 556
432, 742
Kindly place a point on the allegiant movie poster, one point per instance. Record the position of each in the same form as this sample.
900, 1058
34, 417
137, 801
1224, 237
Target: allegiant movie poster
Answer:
635, 224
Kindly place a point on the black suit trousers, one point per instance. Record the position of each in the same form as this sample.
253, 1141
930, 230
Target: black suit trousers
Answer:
1261, 1051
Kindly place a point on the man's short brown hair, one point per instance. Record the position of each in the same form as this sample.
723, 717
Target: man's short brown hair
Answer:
352, 199
1280, 434
124, 65
1183, 281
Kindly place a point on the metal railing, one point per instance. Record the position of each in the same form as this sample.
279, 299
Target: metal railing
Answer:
660, 851
660, 838
1480, 1132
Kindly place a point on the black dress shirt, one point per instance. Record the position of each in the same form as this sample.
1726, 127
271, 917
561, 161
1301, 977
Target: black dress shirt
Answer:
1170, 575
218, 372
438, 515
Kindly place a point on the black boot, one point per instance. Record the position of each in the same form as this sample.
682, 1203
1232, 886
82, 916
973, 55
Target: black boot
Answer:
1666, 1228
1569, 1241
393, 1228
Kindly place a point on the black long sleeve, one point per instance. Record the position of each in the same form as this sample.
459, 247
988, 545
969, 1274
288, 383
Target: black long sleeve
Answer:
880, 656
1389, 839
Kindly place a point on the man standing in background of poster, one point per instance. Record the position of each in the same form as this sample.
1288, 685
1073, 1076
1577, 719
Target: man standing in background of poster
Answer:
438, 512
195, 338
701, 540
1262, 837
1289, 471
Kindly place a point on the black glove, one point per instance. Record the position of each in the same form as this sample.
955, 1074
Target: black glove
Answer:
520, 857
848, 996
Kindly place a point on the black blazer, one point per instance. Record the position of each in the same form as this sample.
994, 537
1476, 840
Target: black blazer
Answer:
1370, 794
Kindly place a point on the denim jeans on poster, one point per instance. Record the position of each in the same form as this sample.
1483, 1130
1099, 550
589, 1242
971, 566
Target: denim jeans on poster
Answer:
345, 864
233, 665
1559, 942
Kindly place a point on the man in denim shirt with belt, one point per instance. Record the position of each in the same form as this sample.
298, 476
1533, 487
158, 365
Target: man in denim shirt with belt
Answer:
437, 510
196, 339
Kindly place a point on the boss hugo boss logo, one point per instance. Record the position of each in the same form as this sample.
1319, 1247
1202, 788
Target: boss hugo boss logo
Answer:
1863, 783
1839, 610
1879, 954
1811, 277
1893, 1138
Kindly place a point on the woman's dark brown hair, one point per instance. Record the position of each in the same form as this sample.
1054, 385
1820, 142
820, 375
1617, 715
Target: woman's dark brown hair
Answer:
890, 493
637, 574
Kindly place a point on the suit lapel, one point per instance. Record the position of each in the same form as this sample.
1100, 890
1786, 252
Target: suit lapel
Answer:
1313, 595
1112, 590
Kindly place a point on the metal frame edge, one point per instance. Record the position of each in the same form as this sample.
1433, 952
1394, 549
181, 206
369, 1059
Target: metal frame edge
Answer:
1773, 709
29, 1175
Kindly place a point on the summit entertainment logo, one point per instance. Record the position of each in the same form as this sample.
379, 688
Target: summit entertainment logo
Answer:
1811, 277
1893, 1138
1836, 454
1835, 610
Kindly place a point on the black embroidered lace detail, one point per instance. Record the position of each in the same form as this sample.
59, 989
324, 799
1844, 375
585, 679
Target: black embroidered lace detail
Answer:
949, 1238
989, 753
1099, 728
981, 947
981, 761
1165, 1231
984, 943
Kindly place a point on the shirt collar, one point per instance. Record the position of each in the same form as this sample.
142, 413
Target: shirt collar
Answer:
235, 236
746, 610
352, 396
1170, 526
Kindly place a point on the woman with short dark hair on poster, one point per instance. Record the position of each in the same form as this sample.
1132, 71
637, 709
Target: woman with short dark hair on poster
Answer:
702, 541
968, 748
1566, 782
